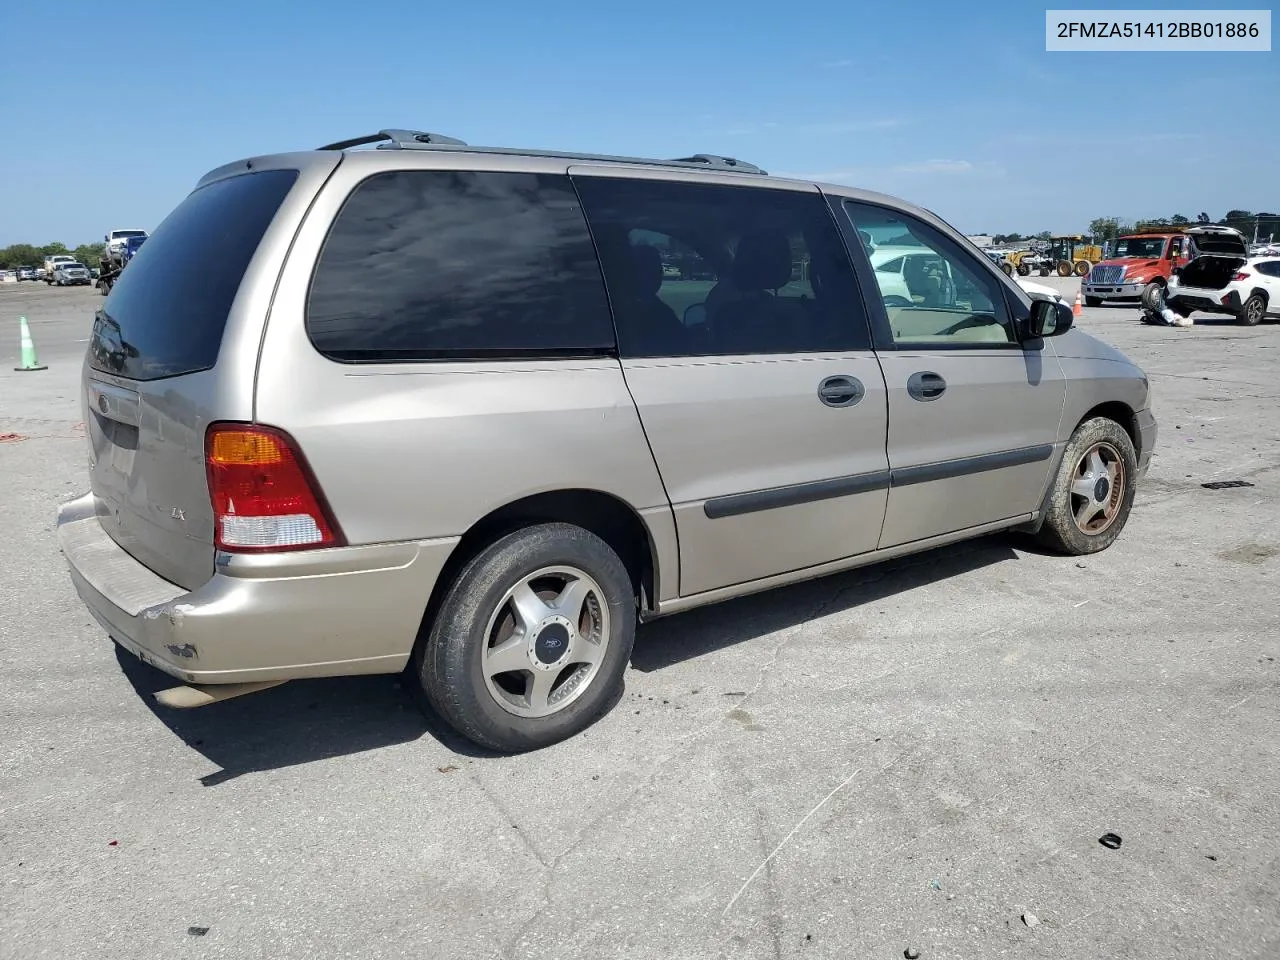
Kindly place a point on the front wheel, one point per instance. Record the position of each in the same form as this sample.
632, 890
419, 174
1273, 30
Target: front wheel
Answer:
1024, 270
531, 642
1093, 490
1254, 309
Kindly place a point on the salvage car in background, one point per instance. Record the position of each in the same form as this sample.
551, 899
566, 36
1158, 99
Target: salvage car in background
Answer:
1246, 289
71, 274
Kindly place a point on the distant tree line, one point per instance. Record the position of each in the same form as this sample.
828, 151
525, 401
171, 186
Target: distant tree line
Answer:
27, 255
1267, 226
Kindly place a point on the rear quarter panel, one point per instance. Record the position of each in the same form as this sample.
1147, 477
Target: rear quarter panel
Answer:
419, 450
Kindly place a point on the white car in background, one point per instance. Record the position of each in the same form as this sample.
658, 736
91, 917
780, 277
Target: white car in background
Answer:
894, 265
1245, 288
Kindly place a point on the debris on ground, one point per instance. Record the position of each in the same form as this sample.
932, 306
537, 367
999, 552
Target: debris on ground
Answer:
449, 769
935, 883
1225, 484
11, 437
113, 843
1111, 841
911, 953
197, 931
1031, 920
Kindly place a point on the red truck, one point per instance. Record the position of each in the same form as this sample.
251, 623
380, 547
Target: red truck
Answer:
1143, 262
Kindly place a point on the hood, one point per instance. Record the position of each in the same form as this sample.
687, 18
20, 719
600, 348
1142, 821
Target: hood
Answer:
1038, 289
1075, 343
1130, 263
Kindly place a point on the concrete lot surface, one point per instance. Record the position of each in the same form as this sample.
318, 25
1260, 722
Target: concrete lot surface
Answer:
911, 756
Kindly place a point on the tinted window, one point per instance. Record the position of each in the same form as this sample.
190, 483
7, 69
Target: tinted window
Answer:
1269, 267
933, 291
167, 312
699, 269
430, 264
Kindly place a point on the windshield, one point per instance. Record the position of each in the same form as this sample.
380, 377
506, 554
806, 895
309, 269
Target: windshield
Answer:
1150, 248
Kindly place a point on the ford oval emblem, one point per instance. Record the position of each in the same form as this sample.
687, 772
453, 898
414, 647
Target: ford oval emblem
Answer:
102, 402
553, 642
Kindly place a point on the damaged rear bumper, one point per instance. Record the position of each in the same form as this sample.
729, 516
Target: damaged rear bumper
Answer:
335, 612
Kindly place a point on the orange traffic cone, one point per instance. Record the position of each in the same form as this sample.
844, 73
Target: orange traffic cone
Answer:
1079, 307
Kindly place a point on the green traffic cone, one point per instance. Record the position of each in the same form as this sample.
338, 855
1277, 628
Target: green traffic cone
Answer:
29, 361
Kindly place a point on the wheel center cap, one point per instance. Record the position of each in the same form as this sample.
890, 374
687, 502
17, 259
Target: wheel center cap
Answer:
552, 642
1101, 489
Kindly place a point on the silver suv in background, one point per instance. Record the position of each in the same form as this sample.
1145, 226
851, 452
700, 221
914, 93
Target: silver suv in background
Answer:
470, 413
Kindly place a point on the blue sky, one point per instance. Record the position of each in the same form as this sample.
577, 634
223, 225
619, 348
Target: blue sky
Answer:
956, 106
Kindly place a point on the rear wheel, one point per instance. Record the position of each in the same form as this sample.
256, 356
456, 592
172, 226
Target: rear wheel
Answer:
1082, 268
532, 639
1254, 309
1064, 268
1023, 270
1093, 490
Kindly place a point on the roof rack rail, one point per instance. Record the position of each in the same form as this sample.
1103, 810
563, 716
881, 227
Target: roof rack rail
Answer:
395, 140
721, 163
420, 140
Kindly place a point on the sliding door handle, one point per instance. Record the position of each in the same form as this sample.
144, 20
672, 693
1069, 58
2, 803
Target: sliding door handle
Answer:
926, 385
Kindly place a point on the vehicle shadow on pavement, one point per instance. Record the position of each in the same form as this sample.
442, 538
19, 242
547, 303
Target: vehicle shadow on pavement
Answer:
666, 642
295, 723
309, 720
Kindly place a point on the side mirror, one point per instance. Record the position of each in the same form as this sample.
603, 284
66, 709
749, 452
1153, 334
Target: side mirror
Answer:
1049, 318
695, 315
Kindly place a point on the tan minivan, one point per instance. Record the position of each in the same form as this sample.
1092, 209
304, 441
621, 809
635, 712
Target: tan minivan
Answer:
400, 403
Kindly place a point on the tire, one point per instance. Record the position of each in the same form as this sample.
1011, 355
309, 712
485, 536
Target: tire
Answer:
1007, 267
1093, 301
451, 663
1024, 270
1254, 309
1064, 268
1153, 296
1082, 268
1069, 499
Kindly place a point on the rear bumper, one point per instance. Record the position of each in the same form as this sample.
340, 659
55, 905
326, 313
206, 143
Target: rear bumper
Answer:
350, 610
1147, 430
1209, 301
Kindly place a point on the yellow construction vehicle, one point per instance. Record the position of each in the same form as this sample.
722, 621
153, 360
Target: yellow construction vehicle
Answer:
1071, 254
1021, 262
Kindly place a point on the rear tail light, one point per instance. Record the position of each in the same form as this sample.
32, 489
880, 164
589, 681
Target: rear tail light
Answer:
265, 497
1241, 276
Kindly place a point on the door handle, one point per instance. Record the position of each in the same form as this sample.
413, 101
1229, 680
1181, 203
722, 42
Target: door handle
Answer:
926, 385
841, 391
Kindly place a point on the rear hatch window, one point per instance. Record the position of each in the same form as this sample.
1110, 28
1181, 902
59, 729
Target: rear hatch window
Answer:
167, 312
1229, 244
